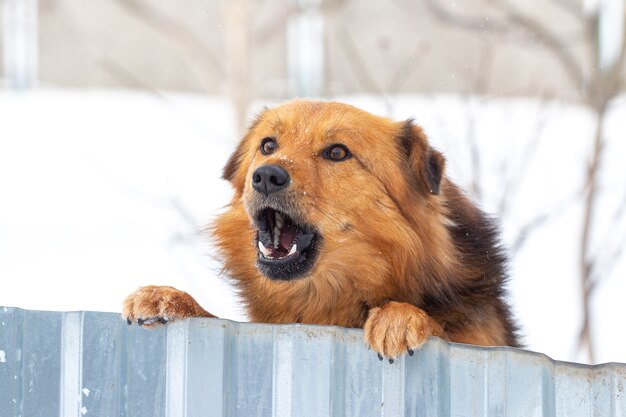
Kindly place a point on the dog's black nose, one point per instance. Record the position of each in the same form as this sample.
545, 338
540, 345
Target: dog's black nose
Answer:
268, 179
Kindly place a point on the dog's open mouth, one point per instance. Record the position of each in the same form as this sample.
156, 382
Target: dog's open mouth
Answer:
286, 247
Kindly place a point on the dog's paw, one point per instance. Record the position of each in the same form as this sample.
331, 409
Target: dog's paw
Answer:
397, 328
153, 305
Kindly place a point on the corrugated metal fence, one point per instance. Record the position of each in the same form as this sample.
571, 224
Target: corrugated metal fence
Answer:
93, 364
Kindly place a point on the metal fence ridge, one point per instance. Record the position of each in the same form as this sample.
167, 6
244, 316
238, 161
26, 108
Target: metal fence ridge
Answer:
93, 364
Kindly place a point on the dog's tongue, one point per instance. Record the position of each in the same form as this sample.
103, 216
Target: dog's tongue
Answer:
287, 236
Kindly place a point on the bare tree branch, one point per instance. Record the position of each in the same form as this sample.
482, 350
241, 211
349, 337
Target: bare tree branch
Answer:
164, 23
515, 173
550, 40
474, 153
602, 270
607, 258
572, 7
598, 87
407, 68
540, 220
514, 16
183, 212
477, 24
357, 64
586, 261
124, 77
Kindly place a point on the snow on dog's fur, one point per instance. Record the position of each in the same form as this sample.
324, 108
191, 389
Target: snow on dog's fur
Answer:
344, 218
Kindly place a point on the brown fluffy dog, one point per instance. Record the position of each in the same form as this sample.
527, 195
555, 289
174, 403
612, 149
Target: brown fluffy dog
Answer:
344, 218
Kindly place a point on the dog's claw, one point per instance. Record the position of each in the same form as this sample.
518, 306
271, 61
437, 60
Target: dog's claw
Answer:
411, 352
380, 357
391, 360
140, 322
129, 321
162, 320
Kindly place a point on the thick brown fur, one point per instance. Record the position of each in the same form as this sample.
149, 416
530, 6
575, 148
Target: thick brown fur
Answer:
405, 255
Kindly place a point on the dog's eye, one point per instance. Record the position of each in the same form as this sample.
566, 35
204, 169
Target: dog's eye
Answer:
268, 146
337, 153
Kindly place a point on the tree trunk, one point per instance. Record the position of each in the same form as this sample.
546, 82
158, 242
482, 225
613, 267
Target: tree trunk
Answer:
586, 261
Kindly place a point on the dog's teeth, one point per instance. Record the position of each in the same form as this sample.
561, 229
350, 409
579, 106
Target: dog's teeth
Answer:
264, 250
293, 250
280, 220
276, 236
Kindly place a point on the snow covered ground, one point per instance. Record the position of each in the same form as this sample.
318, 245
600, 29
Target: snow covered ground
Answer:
104, 191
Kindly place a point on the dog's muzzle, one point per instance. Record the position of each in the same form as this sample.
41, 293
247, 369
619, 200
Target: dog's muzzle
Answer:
286, 244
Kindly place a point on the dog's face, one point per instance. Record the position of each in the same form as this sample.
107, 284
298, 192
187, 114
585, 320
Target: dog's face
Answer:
325, 185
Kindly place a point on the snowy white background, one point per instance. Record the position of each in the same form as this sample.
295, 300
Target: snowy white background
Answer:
102, 192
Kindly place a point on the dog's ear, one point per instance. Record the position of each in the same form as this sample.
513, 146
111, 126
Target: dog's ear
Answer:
229, 173
425, 165
233, 172
234, 162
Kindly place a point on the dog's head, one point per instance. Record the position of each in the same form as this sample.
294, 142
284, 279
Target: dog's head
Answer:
327, 188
